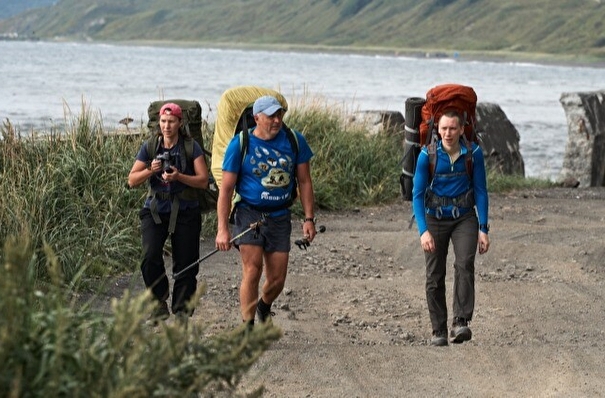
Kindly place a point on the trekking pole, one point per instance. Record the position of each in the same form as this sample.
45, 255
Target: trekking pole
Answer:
304, 242
411, 222
253, 226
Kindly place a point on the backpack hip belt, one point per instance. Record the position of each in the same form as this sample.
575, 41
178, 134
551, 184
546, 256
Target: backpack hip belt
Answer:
267, 209
437, 203
162, 195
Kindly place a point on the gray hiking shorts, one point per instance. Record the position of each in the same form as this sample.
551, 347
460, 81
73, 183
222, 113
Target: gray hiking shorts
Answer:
272, 236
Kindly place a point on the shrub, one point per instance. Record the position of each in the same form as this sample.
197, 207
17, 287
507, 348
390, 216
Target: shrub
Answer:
68, 191
51, 345
351, 167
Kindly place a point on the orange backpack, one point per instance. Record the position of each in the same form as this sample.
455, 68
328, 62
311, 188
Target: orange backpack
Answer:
439, 100
421, 129
446, 97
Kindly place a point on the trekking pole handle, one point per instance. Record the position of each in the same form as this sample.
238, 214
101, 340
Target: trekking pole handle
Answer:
304, 242
252, 227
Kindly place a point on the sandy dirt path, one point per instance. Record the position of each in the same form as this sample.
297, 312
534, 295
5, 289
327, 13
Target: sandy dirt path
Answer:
355, 321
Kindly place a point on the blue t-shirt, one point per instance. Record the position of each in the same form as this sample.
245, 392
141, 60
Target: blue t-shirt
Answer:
159, 185
266, 174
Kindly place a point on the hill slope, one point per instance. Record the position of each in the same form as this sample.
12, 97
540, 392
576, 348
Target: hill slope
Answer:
14, 7
542, 26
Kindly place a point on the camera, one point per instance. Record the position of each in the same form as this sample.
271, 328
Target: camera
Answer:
167, 161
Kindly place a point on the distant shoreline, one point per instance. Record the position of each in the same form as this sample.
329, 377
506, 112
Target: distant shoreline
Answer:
571, 60
496, 56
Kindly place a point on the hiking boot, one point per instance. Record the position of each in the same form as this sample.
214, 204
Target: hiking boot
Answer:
262, 315
182, 318
439, 338
460, 331
160, 313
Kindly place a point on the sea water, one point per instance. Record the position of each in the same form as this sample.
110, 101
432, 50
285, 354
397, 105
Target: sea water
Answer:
45, 83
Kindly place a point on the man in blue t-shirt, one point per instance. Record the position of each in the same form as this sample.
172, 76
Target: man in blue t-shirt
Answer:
264, 175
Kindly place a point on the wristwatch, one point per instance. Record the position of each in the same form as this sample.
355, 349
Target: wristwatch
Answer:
484, 228
312, 219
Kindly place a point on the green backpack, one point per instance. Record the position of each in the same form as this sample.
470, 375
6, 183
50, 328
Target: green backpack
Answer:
192, 124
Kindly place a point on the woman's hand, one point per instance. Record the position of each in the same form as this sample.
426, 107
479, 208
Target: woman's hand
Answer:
170, 176
483, 242
427, 242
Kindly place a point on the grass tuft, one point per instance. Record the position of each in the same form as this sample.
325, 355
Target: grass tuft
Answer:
499, 183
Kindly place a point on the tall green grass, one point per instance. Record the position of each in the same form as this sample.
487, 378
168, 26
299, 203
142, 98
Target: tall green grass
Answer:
54, 346
68, 190
351, 167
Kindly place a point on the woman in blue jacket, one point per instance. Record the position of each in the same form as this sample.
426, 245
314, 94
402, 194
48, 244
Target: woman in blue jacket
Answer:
450, 202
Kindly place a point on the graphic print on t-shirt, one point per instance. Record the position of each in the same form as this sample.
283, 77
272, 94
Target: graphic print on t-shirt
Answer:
272, 167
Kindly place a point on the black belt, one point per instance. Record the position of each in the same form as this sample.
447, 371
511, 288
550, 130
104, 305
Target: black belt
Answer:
266, 209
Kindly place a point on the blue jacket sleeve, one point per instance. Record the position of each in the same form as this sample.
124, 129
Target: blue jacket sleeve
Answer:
421, 180
480, 186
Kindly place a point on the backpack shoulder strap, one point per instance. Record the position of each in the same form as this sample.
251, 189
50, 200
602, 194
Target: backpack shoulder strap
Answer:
293, 138
469, 158
153, 144
432, 151
244, 139
188, 144
243, 148
431, 133
186, 154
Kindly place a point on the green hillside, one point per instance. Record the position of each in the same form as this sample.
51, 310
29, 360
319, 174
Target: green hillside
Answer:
14, 7
565, 28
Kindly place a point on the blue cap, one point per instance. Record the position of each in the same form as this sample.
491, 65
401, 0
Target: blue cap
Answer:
267, 105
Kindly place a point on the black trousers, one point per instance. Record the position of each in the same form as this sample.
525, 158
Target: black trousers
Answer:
463, 233
185, 250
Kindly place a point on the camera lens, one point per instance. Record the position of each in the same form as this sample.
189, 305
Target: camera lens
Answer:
166, 159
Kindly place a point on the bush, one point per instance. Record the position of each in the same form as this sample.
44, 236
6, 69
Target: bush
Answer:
68, 191
52, 346
351, 167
